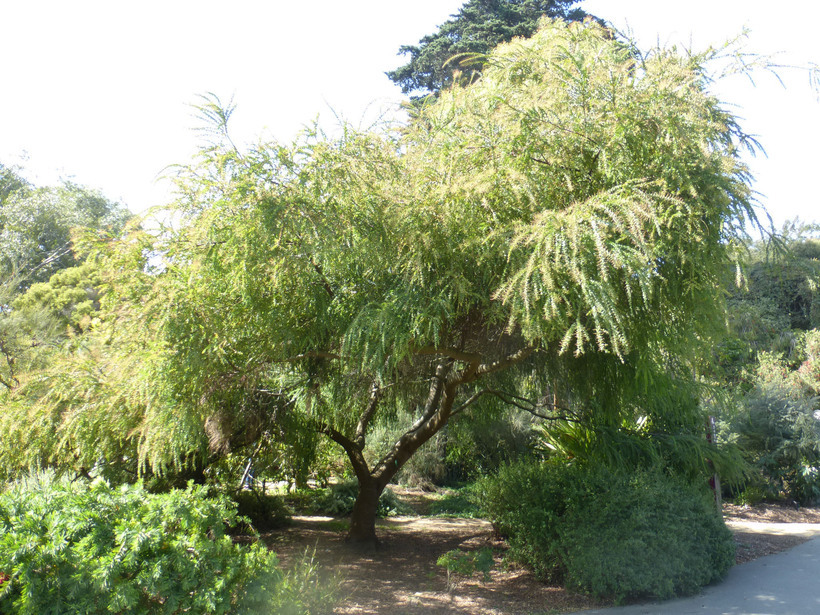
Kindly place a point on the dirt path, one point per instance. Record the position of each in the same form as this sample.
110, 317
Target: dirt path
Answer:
402, 577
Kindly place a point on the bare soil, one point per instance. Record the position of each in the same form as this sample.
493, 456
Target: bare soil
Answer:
769, 528
401, 576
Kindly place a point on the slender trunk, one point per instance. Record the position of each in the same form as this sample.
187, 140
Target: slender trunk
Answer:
363, 518
437, 412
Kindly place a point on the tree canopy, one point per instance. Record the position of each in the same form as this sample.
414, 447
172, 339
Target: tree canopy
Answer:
551, 237
35, 224
460, 45
37, 254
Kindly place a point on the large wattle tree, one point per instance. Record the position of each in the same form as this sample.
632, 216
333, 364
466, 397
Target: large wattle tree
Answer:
550, 237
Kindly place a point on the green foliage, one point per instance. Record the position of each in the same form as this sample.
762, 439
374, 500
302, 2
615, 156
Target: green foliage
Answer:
779, 301
337, 500
526, 503
778, 426
553, 232
307, 589
466, 563
71, 296
458, 50
751, 496
455, 503
469, 447
36, 224
653, 430
426, 468
479, 444
265, 512
621, 535
644, 536
11, 182
88, 548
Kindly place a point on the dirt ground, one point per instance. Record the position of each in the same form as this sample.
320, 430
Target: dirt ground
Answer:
764, 529
402, 577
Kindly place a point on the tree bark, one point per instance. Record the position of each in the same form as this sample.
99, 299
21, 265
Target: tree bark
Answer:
362, 530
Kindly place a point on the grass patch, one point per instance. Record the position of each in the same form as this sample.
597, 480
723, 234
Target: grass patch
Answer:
334, 525
455, 503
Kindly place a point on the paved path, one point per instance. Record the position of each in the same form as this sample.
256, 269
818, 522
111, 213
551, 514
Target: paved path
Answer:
786, 583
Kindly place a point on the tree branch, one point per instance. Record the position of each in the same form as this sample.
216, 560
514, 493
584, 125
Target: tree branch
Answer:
519, 402
354, 453
369, 411
318, 269
10, 362
453, 353
508, 361
431, 405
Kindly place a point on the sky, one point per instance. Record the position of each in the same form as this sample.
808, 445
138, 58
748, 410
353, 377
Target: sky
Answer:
101, 92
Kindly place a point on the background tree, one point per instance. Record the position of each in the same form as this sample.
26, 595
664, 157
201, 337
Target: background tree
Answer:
478, 27
37, 254
768, 360
550, 238
35, 224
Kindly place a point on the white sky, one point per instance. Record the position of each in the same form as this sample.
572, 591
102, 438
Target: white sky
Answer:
100, 90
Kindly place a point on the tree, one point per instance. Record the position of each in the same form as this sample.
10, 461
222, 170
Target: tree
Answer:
35, 224
778, 301
549, 238
470, 35
36, 251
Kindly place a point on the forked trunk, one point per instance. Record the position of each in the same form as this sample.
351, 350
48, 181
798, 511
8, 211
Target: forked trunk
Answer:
363, 518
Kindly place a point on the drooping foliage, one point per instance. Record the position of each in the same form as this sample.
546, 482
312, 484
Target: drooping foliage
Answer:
458, 49
549, 234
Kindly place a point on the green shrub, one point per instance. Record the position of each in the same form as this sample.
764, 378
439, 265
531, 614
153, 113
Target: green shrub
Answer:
266, 512
526, 502
89, 548
644, 535
777, 427
616, 535
752, 495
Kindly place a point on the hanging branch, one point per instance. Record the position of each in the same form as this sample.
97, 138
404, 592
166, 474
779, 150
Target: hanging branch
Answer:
521, 403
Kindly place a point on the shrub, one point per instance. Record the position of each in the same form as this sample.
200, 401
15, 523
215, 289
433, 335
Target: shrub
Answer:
266, 512
617, 535
526, 502
644, 535
466, 563
89, 548
778, 427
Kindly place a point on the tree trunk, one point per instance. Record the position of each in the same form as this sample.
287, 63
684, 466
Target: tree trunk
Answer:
363, 518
